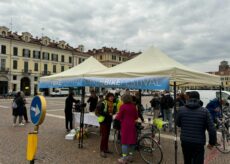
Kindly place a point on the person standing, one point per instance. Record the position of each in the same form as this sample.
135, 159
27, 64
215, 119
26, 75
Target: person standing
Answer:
155, 104
194, 120
106, 110
167, 105
18, 111
24, 108
127, 115
93, 99
68, 111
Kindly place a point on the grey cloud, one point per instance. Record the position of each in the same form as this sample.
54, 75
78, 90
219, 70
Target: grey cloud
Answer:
196, 31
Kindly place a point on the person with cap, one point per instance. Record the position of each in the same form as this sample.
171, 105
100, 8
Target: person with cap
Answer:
68, 111
106, 110
194, 120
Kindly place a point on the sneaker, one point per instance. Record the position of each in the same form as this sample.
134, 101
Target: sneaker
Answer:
122, 160
103, 155
21, 124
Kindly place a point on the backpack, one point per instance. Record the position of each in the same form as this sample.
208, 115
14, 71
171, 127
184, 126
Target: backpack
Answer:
98, 108
14, 105
169, 103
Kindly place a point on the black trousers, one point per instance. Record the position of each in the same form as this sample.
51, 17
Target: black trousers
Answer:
193, 153
68, 120
25, 113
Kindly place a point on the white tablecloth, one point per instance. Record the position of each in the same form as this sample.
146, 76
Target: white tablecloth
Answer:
89, 118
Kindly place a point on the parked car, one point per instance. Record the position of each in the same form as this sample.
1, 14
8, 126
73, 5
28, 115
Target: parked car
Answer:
60, 92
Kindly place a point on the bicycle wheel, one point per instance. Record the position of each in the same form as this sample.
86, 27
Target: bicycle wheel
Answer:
117, 142
155, 135
150, 150
223, 140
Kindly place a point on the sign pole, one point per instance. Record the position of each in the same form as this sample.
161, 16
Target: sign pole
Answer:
37, 115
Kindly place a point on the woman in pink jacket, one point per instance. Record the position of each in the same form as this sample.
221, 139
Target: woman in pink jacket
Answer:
127, 116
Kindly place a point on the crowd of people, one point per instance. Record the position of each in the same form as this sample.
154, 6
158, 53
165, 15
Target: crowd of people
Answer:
190, 116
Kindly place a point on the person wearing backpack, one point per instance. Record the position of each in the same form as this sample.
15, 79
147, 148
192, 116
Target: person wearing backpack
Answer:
167, 105
18, 105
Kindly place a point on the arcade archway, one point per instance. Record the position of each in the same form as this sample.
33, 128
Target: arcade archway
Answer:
3, 85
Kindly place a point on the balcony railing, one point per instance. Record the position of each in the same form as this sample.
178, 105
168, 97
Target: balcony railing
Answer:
46, 73
26, 72
4, 70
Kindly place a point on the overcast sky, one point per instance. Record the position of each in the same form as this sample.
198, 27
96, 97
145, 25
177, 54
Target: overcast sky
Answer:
193, 32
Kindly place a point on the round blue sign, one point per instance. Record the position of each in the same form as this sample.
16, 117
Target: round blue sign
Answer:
37, 110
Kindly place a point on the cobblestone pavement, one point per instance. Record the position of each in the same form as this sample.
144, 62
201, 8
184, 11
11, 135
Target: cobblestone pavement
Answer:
54, 149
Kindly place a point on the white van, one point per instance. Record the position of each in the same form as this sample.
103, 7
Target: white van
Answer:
207, 95
60, 92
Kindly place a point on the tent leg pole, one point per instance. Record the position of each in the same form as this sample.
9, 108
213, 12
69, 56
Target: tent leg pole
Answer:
221, 107
80, 145
175, 127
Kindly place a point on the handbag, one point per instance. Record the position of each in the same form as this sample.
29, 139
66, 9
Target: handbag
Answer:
116, 124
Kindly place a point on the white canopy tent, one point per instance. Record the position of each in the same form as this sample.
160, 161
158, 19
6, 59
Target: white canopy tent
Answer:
154, 62
89, 65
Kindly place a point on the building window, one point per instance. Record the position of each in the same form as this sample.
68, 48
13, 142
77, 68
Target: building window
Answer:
3, 33
26, 66
14, 77
123, 59
54, 57
100, 57
35, 78
119, 58
70, 59
35, 66
54, 69
62, 68
15, 64
3, 49
114, 57
26, 53
15, 51
46, 56
3, 64
62, 58
45, 67
36, 54
14, 87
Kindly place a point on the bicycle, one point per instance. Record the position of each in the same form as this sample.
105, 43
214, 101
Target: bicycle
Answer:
223, 134
148, 148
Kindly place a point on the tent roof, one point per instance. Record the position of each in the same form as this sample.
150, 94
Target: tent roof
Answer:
154, 62
89, 65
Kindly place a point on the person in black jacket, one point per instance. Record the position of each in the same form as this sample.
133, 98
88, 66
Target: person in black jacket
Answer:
93, 99
68, 111
194, 120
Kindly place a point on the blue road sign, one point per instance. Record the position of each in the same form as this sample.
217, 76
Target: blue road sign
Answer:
38, 110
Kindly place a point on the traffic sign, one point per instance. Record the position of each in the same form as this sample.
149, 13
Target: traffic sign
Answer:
38, 110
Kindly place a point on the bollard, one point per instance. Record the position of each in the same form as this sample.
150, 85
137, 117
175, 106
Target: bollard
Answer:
32, 146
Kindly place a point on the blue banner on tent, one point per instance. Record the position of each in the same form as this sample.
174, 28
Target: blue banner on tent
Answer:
153, 83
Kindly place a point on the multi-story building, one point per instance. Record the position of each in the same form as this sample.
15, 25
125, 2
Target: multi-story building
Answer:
24, 59
224, 73
111, 56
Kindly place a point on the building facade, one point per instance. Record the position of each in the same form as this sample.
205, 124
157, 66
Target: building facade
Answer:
111, 56
224, 73
24, 59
